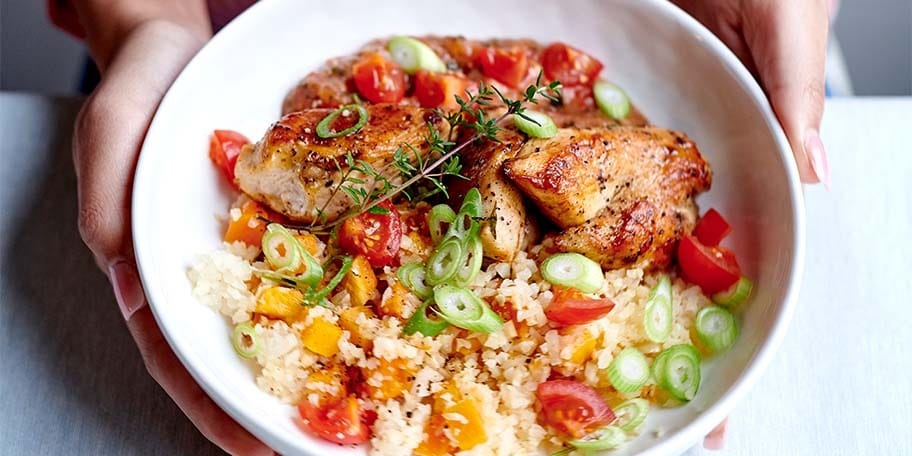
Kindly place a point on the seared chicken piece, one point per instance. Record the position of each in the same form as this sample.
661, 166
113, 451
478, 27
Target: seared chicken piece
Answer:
294, 171
508, 229
623, 196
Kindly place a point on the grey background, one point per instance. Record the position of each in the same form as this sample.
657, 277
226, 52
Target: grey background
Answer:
875, 35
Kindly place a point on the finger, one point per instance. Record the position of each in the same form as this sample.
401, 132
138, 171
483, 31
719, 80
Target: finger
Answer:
715, 440
167, 370
788, 42
110, 130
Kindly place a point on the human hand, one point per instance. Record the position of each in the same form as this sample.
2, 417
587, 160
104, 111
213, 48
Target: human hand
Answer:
783, 43
109, 132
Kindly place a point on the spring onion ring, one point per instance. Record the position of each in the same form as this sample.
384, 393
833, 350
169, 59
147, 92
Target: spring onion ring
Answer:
445, 262
325, 125
440, 217
658, 318
716, 328
734, 296
460, 307
677, 371
318, 298
413, 55
631, 414
412, 275
535, 124
420, 322
471, 264
605, 438
281, 249
245, 341
628, 371
611, 99
573, 270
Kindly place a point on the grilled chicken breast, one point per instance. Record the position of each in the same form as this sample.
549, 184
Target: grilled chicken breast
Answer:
623, 196
295, 172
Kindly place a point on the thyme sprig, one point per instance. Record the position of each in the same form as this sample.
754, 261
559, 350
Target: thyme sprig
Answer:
441, 159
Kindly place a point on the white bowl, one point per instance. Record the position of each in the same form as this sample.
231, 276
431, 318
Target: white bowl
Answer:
675, 70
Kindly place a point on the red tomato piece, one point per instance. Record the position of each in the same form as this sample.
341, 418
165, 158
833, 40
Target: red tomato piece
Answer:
569, 65
379, 80
508, 66
374, 235
713, 269
712, 228
573, 408
570, 307
340, 422
439, 89
224, 148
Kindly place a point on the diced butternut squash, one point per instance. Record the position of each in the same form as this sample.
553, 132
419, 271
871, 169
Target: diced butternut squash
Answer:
348, 319
468, 430
435, 442
360, 282
394, 379
328, 383
583, 345
393, 302
310, 243
449, 392
249, 226
281, 303
322, 337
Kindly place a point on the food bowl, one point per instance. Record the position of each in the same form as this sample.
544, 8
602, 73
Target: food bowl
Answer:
675, 70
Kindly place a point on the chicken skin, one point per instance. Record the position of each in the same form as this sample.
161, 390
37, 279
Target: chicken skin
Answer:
622, 196
295, 172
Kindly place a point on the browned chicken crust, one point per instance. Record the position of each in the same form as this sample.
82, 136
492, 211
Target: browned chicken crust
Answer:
294, 171
623, 196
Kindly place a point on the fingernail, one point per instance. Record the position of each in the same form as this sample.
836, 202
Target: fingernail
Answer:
715, 440
127, 289
816, 154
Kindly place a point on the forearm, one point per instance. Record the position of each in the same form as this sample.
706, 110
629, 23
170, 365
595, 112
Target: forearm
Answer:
107, 23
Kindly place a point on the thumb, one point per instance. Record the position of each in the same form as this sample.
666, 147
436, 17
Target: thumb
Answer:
787, 40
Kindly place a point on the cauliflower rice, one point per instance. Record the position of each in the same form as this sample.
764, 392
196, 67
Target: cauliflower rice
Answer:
498, 371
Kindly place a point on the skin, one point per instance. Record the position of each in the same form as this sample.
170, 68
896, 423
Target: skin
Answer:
141, 46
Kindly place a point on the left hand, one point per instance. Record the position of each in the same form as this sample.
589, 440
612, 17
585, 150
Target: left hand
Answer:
783, 43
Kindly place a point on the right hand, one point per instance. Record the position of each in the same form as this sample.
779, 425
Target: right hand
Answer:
109, 132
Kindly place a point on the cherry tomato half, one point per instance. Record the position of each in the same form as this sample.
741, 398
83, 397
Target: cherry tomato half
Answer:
570, 307
375, 235
507, 66
712, 228
439, 89
340, 422
569, 65
224, 148
714, 269
378, 79
572, 407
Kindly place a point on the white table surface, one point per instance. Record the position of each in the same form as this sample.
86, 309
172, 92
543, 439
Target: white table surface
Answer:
72, 382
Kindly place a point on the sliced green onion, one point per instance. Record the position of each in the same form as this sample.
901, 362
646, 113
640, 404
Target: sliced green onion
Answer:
440, 214
281, 249
734, 296
628, 371
611, 99
318, 298
658, 318
716, 328
444, 263
471, 204
412, 275
325, 125
422, 323
462, 308
471, 265
677, 371
535, 124
245, 341
573, 270
413, 55
631, 414
604, 438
